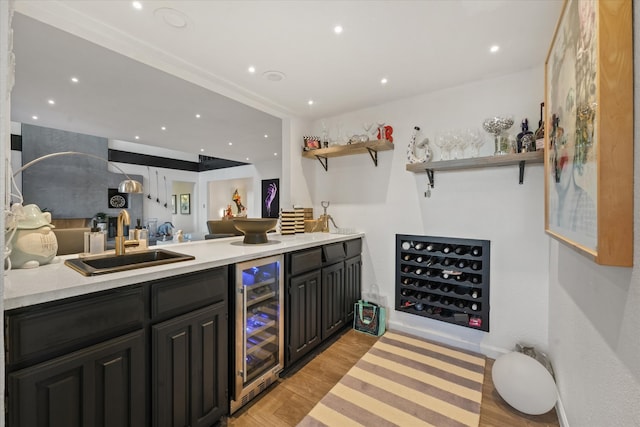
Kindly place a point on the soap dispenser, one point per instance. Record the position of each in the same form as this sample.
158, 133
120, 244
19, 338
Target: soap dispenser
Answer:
94, 240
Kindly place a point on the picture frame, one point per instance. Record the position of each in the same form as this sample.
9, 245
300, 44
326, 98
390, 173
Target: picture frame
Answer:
174, 204
589, 131
270, 198
185, 204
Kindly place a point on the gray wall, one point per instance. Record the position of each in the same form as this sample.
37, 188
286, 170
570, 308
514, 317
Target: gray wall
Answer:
70, 186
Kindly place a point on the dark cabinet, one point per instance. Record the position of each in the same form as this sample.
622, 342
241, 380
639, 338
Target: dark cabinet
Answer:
352, 285
302, 303
101, 385
323, 284
333, 299
304, 314
189, 368
149, 354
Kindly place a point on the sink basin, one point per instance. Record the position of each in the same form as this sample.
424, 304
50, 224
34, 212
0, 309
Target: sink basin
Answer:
104, 264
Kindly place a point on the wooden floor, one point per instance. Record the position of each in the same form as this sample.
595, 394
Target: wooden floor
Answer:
286, 403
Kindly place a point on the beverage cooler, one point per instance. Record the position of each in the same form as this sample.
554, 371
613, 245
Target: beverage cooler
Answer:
259, 328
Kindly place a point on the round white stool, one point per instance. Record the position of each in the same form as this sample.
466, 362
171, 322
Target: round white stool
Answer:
524, 383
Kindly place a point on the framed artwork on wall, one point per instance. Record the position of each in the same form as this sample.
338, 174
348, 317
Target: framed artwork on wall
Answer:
589, 131
270, 198
185, 204
117, 200
174, 204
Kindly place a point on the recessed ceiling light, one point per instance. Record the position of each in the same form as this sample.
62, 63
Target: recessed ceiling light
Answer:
202, 150
494, 48
384, 81
230, 143
136, 5
275, 154
136, 137
252, 69
51, 102
266, 136
163, 128
247, 158
273, 75
310, 102
197, 116
34, 117
74, 79
337, 29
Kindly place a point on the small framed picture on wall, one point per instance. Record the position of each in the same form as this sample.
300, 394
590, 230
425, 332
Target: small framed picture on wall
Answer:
185, 204
270, 198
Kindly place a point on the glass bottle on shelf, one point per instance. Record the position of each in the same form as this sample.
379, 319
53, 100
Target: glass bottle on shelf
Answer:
539, 133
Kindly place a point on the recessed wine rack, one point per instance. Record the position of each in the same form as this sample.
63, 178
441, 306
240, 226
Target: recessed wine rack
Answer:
444, 278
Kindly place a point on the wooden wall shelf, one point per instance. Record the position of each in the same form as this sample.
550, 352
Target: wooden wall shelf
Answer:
478, 162
371, 147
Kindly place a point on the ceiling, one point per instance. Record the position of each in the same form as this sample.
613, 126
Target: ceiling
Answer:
418, 46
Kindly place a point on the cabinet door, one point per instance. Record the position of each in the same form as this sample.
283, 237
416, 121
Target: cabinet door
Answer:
353, 283
102, 385
189, 379
333, 296
303, 314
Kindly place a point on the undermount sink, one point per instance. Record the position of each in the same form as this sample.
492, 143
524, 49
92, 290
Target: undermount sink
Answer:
92, 266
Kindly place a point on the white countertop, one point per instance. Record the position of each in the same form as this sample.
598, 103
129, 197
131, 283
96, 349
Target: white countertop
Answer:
57, 281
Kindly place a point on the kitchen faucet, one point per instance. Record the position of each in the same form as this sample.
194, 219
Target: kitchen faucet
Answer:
123, 219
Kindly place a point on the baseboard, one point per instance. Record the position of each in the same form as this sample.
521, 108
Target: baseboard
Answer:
562, 415
452, 340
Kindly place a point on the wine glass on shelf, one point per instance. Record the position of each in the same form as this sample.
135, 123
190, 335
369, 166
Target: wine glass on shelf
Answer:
476, 140
367, 128
381, 132
439, 141
461, 143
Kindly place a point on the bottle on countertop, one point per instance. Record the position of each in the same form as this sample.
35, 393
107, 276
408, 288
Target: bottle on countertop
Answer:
94, 240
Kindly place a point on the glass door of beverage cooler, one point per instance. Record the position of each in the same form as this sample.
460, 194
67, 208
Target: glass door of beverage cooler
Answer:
259, 326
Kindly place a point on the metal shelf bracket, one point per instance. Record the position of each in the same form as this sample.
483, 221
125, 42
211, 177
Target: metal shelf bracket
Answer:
430, 178
374, 155
325, 163
521, 165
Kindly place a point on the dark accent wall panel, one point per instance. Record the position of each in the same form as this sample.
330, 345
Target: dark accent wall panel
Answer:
70, 186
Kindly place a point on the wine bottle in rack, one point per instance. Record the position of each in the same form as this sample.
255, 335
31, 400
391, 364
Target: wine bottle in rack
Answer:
475, 278
407, 257
445, 287
461, 250
432, 272
419, 246
407, 269
462, 263
406, 245
448, 261
446, 249
432, 247
419, 295
474, 294
475, 306
406, 292
419, 259
418, 306
460, 277
476, 265
433, 297
476, 251
418, 283
407, 281
433, 285
461, 304
445, 300
419, 271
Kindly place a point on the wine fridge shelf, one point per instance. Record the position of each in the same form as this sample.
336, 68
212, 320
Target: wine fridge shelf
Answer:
444, 278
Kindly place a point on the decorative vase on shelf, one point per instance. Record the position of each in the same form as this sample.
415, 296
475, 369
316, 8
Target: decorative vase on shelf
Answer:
498, 126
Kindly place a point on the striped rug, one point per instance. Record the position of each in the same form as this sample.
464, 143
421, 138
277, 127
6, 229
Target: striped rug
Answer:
404, 380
